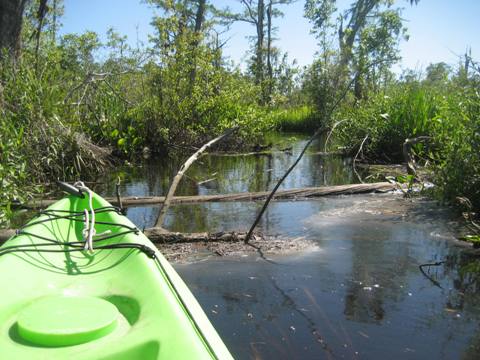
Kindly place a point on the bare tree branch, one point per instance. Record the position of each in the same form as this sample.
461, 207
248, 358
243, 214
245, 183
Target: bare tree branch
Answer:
183, 169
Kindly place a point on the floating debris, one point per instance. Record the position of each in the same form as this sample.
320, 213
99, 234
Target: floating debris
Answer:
364, 335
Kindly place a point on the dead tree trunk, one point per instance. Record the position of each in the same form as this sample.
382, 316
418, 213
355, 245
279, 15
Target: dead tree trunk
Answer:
160, 235
260, 39
41, 13
302, 193
269, 52
199, 19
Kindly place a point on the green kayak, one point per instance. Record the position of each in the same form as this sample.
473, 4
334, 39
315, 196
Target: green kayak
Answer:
71, 292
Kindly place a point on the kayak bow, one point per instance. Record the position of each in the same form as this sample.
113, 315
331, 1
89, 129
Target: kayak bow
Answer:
121, 300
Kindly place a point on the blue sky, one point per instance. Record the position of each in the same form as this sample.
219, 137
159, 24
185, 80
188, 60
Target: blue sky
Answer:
439, 30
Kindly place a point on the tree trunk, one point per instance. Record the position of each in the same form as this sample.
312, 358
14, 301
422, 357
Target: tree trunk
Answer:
346, 39
269, 51
199, 18
54, 21
11, 19
260, 39
303, 193
41, 13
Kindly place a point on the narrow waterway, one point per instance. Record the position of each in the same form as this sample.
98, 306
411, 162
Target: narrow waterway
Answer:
359, 294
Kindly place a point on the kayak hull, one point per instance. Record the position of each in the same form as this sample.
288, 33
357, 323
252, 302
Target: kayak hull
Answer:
157, 317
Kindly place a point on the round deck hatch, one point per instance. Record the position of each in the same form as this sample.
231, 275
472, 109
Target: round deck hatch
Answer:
67, 320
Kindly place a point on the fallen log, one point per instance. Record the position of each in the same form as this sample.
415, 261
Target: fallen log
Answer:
180, 246
281, 194
253, 153
159, 235
131, 201
330, 153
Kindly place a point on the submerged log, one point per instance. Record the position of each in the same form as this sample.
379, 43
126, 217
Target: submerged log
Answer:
179, 246
159, 235
131, 201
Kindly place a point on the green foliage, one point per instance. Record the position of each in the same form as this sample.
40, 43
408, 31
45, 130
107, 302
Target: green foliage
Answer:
12, 167
62, 109
296, 119
389, 118
193, 96
438, 73
446, 112
357, 49
457, 133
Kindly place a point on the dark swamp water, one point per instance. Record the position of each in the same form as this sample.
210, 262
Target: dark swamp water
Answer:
359, 294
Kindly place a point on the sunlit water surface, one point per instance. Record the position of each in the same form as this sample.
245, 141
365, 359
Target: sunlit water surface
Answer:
360, 294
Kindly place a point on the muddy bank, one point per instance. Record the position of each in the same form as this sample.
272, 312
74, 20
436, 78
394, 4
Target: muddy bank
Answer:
181, 252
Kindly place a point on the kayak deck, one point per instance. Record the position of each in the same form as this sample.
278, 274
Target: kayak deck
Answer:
157, 317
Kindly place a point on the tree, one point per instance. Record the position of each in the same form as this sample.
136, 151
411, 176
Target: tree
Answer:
367, 34
40, 22
253, 13
181, 31
376, 50
11, 20
260, 14
272, 12
437, 73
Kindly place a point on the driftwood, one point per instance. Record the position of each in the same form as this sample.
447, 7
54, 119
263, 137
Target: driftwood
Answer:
161, 236
287, 150
131, 201
330, 153
183, 169
179, 246
253, 153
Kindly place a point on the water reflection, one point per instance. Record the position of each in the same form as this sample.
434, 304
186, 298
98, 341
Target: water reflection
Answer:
361, 295
231, 174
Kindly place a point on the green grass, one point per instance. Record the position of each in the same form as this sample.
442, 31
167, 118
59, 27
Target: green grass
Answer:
299, 119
